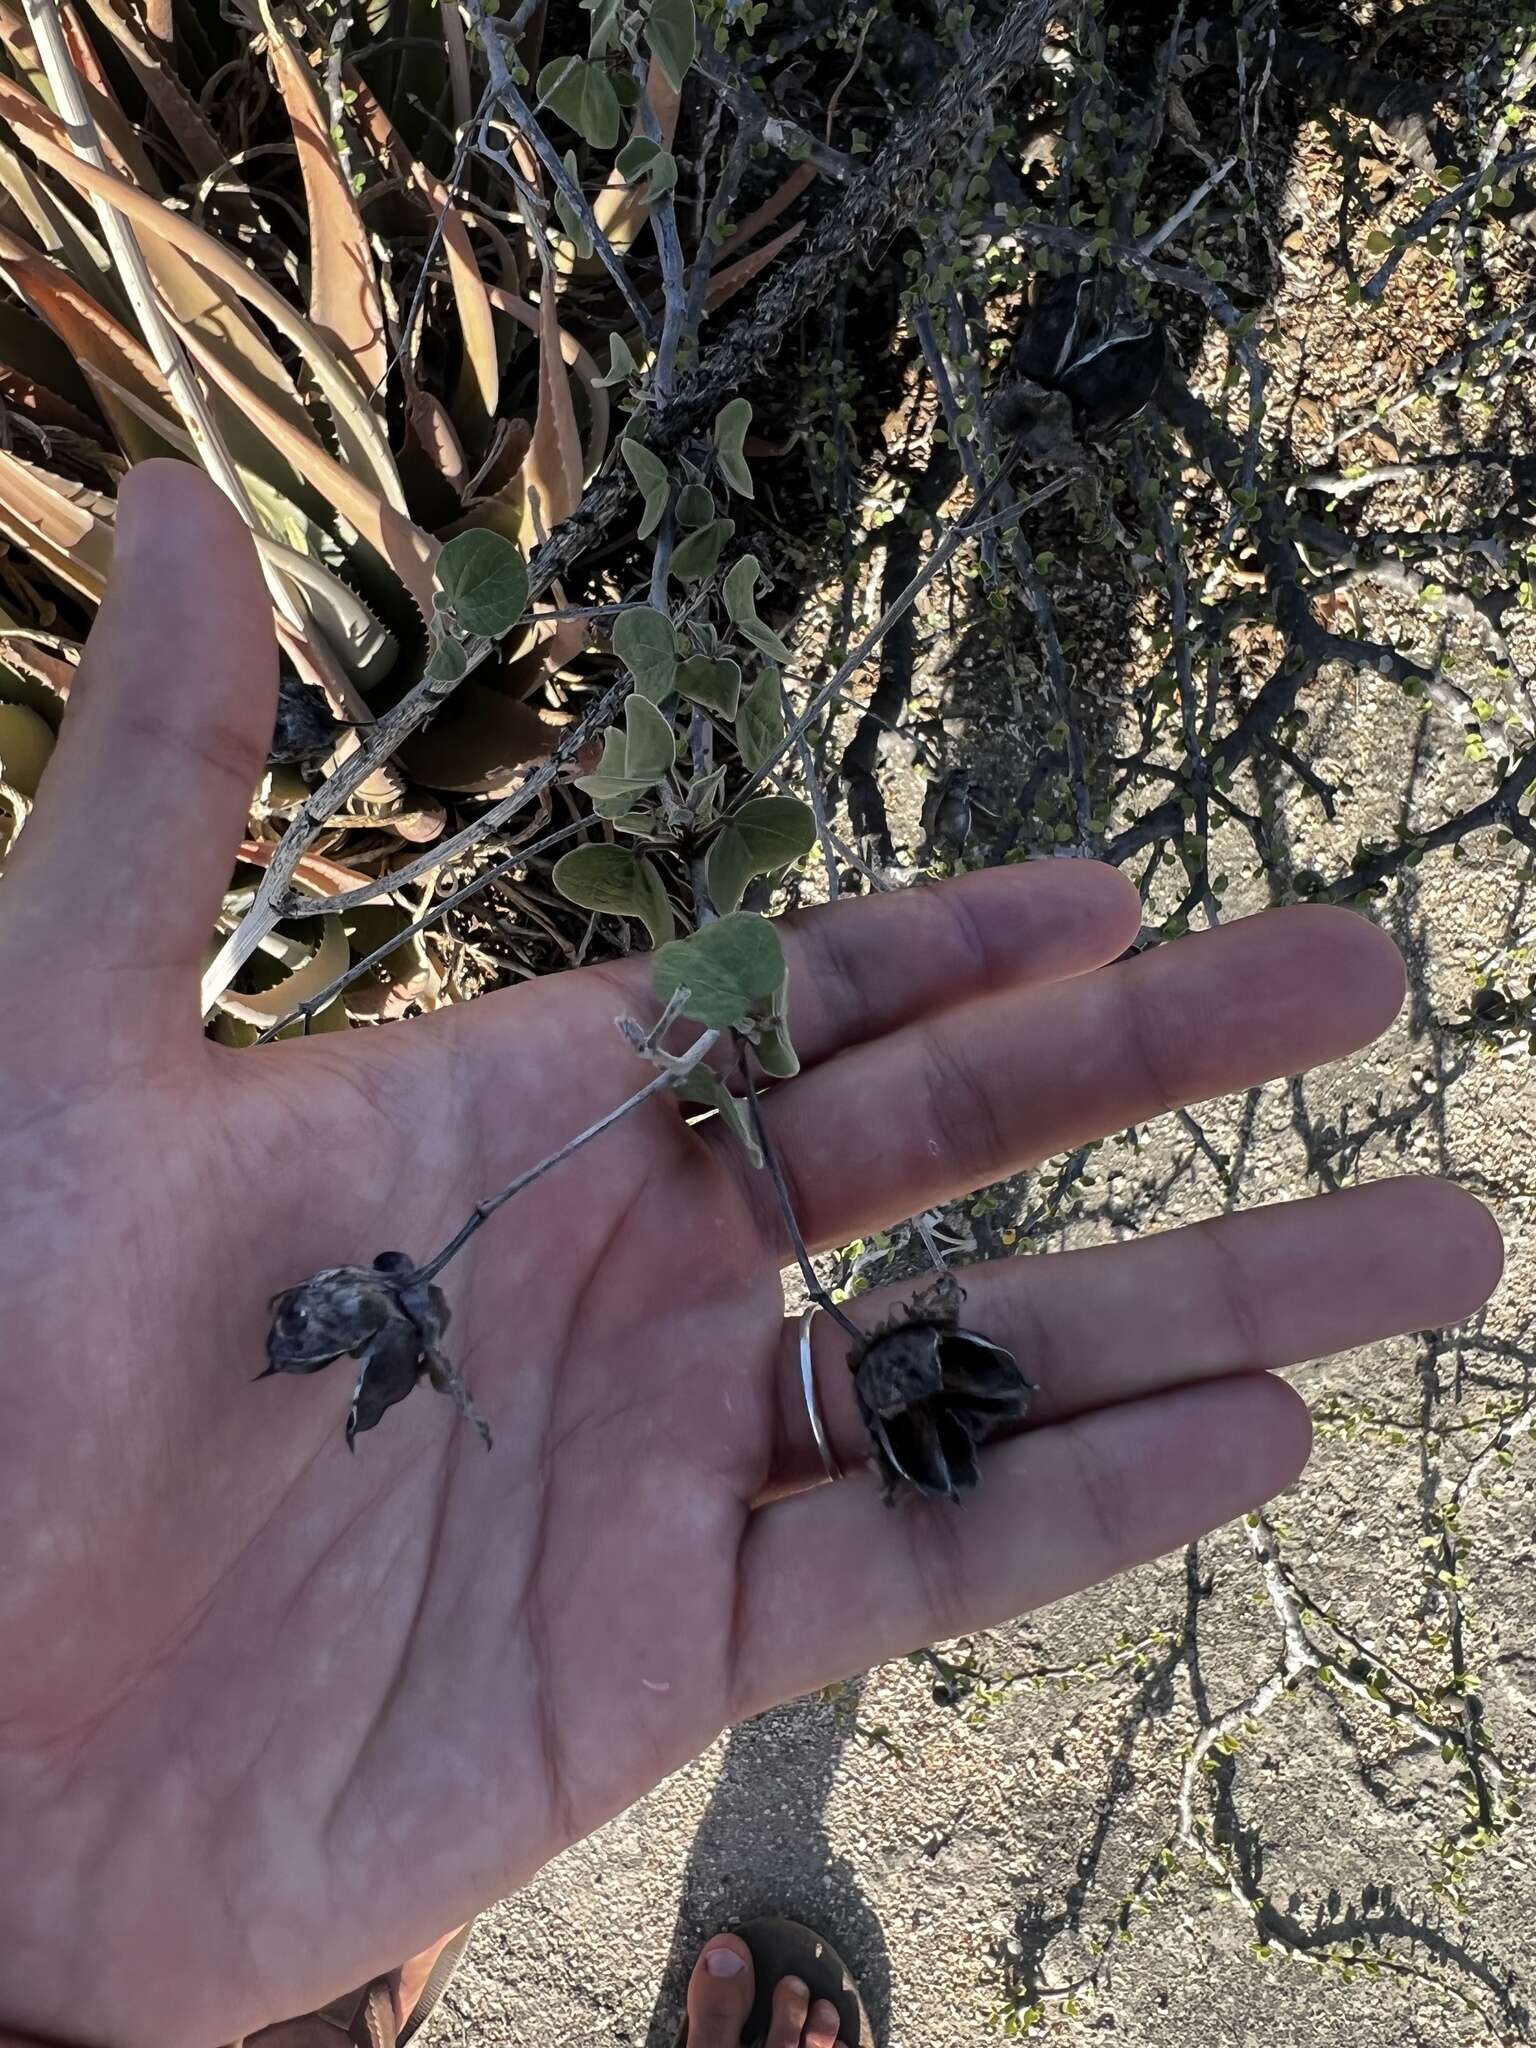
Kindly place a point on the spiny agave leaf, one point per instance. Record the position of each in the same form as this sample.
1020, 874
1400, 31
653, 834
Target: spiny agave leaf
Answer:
583, 96
725, 284
714, 684
359, 433
671, 35
479, 383
729, 969
313, 963
694, 558
484, 581
480, 744
760, 721
731, 423
62, 525
652, 480
403, 545
778, 201
645, 641
552, 475
344, 301
184, 118
618, 882
650, 745
404, 979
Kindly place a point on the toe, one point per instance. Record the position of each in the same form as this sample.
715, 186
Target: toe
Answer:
791, 2000
720, 1993
821, 2025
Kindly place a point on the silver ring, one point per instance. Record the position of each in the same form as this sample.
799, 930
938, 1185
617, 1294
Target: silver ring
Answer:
829, 1462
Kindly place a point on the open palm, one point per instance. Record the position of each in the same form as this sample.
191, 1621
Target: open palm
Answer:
273, 1716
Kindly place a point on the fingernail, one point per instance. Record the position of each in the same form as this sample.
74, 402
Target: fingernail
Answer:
723, 1962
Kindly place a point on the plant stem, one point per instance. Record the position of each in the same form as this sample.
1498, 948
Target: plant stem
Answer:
808, 1272
483, 1211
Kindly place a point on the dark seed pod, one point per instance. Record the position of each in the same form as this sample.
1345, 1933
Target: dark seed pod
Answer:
382, 1315
930, 1393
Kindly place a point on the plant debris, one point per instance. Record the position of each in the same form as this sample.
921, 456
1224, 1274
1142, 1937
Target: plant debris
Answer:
931, 1393
388, 1317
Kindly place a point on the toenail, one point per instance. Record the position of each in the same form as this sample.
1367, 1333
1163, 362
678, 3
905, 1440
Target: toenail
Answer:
795, 1986
723, 1962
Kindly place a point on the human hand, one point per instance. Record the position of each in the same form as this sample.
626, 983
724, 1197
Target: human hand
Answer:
272, 1717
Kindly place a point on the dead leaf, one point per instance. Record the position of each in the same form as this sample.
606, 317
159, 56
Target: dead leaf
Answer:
478, 743
728, 282
162, 88
344, 298
552, 475
621, 209
778, 201
64, 526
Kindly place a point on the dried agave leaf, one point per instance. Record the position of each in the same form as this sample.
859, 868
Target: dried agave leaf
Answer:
60, 231
622, 209
63, 525
344, 301
479, 744
184, 119
726, 283
577, 359
553, 473
309, 965
404, 979
778, 202
362, 438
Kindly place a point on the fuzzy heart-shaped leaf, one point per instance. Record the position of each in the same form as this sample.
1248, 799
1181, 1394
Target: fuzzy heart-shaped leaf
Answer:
652, 481
716, 685
695, 558
729, 968
760, 721
618, 882
483, 582
646, 643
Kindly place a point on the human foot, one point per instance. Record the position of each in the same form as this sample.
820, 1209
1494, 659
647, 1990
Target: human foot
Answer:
720, 1998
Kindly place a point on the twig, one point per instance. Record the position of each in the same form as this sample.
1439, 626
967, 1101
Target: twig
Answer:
808, 1272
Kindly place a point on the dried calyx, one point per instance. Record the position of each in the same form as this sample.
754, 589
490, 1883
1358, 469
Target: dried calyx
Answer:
930, 1393
388, 1317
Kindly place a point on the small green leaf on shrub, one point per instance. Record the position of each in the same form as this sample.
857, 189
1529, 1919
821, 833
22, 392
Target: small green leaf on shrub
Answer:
695, 506
775, 1055
729, 968
731, 423
447, 662
644, 640
621, 364
584, 98
605, 26
778, 830
671, 36
652, 481
714, 684
636, 157
760, 721
741, 606
618, 882
570, 219
704, 1085
610, 779
695, 558
728, 869
650, 745
484, 582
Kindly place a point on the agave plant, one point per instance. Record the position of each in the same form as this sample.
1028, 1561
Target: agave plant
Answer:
318, 248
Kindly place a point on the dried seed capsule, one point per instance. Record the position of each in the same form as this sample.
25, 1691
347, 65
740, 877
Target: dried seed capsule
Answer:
930, 1393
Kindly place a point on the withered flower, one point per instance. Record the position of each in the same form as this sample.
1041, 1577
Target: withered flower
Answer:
383, 1315
930, 1393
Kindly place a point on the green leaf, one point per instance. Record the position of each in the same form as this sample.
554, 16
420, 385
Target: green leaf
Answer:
584, 98
714, 684
671, 35
727, 869
741, 606
644, 640
483, 581
650, 745
695, 506
447, 662
705, 1085
760, 721
728, 968
652, 481
694, 558
610, 780
621, 364
775, 1055
662, 173
731, 423
619, 883
778, 830
570, 219
636, 157
605, 26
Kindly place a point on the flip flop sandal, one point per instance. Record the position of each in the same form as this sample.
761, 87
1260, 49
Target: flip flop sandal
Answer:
783, 1948
366, 2018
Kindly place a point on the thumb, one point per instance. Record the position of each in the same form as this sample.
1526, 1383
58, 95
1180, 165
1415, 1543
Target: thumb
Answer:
121, 869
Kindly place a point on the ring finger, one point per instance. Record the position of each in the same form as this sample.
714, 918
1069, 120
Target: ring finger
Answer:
1265, 1289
